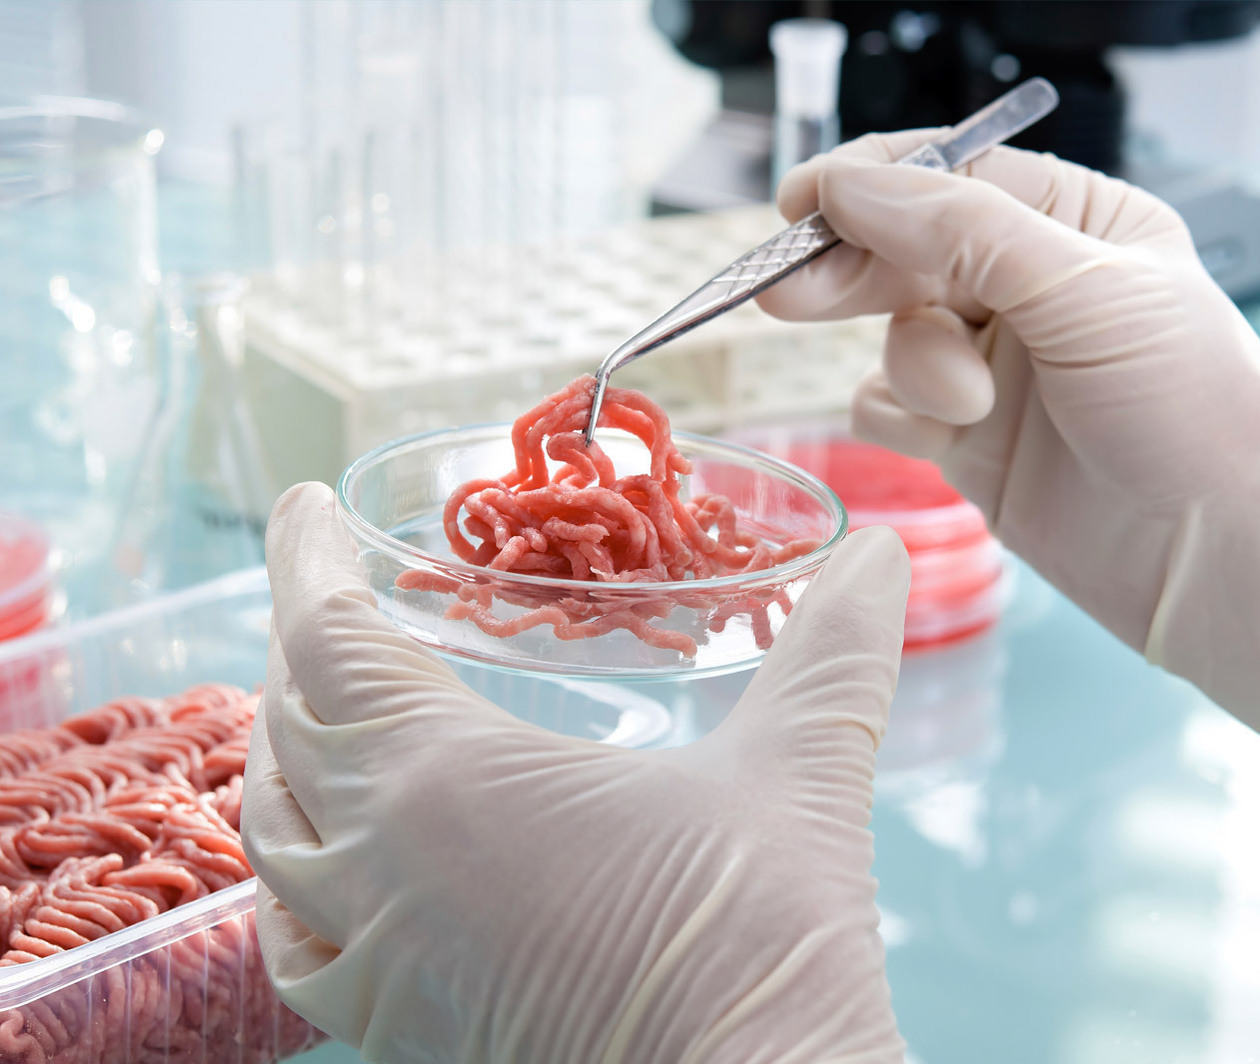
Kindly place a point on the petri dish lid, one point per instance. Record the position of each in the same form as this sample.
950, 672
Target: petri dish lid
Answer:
878, 486
937, 622
25, 575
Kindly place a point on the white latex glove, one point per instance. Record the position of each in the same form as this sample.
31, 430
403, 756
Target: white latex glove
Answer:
447, 883
1059, 349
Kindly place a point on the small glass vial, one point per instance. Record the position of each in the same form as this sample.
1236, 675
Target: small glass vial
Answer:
807, 54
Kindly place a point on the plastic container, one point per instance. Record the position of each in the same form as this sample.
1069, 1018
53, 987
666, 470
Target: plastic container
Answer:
318, 407
214, 632
392, 500
188, 984
957, 585
27, 593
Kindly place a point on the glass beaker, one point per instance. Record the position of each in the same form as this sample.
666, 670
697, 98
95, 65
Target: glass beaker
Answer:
197, 505
78, 254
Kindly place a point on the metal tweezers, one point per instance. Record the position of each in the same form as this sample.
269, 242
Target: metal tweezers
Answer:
796, 245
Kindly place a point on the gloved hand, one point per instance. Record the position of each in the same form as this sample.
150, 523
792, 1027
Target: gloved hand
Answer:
446, 883
1058, 348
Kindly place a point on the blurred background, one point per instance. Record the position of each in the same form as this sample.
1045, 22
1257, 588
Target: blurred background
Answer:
244, 241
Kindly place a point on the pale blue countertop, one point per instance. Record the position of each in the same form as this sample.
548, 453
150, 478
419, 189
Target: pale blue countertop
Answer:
1066, 846
1081, 883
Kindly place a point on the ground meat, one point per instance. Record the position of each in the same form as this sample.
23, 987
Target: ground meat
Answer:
111, 818
580, 521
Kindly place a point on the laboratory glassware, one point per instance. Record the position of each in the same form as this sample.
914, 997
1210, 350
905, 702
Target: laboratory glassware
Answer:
392, 502
807, 54
78, 304
811, 236
197, 505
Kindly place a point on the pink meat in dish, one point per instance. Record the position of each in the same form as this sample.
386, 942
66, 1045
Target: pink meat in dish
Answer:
574, 518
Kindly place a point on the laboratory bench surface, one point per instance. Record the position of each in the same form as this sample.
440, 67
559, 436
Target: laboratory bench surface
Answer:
1066, 846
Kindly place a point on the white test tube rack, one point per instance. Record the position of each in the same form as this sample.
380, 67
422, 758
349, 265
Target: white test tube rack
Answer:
490, 342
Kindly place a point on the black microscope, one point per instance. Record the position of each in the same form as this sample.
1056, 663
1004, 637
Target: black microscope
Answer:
919, 64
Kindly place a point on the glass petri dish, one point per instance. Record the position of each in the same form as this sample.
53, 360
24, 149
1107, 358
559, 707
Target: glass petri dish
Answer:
392, 498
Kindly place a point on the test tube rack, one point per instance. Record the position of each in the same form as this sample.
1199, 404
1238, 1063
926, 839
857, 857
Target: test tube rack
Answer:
481, 340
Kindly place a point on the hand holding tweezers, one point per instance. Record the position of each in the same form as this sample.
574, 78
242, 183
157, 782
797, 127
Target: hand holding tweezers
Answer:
811, 236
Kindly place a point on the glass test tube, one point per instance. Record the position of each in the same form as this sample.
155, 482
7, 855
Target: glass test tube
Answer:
807, 54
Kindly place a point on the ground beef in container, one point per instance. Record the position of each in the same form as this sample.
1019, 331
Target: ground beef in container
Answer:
107, 820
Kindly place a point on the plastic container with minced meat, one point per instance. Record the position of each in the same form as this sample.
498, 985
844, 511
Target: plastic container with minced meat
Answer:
188, 985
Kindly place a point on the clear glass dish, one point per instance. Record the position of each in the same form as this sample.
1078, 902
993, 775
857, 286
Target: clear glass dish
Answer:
392, 499
79, 303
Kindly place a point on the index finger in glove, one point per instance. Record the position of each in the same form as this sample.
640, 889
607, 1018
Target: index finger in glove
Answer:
972, 236
1031, 177
848, 280
869, 275
347, 659
1082, 199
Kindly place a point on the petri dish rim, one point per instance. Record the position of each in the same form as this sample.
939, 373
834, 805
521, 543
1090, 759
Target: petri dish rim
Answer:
403, 552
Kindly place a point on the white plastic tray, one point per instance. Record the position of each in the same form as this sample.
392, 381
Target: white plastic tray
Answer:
489, 338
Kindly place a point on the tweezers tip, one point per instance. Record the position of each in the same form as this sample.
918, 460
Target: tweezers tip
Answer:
597, 404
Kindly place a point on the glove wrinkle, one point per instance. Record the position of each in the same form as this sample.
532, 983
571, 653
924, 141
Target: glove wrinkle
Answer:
765, 987
627, 1027
1219, 536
